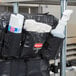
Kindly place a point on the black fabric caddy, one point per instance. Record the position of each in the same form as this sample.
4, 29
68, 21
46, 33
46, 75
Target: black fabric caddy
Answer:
9, 42
12, 41
4, 20
11, 45
35, 64
51, 45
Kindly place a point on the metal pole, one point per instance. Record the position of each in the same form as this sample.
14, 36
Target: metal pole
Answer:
29, 10
15, 7
63, 52
40, 9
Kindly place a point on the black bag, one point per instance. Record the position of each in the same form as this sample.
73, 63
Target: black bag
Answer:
9, 42
33, 43
33, 38
51, 47
2, 33
12, 68
37, 67
3, 29
11, 45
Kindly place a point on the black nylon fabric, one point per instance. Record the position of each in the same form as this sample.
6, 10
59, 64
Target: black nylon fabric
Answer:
12, 68
37, 67
31, 39
52, 44
18, 68
4, 68
0, 41
34, 66
2, 36
11, 45
3, 28
51, 47
48, 19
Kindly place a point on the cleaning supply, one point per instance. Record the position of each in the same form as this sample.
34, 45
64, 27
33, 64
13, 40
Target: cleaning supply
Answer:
59, 30
13, 36
16, 23
36, 33
32, 25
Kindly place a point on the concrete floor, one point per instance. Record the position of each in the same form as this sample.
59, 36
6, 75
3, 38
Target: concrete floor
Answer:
69, 73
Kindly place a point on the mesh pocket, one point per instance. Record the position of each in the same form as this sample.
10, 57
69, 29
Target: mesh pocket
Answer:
11, 45
51, 47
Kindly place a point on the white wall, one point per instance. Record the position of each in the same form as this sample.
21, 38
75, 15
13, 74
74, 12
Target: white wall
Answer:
72, 23
52, 9
55, 10
3, 9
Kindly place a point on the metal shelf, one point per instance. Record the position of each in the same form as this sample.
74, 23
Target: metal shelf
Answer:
67, 59
16, 0
52, 2
63, 4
